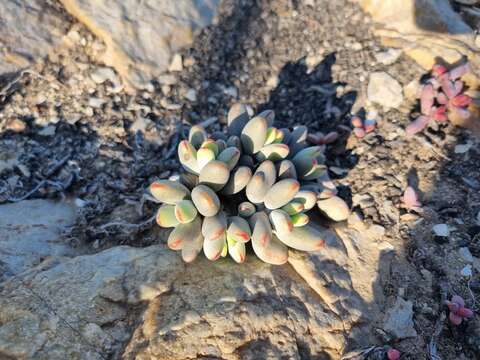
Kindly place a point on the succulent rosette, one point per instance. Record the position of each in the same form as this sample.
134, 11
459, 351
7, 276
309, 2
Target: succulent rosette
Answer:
254, 184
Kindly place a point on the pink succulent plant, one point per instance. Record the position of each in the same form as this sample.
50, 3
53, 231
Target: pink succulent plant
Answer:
440, 95
393, 354
410, 199
361, 128
458, 311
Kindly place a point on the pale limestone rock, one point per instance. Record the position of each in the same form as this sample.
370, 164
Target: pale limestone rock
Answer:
31, 231
142, 36
29, 30
384, 90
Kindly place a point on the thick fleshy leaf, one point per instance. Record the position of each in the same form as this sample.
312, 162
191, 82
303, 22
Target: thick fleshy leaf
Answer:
330, 138
357, 122
197, 135
239, 229
268, 115
185, 211
370, 125
335, 208
298, 139
410, 198
205, 200
257, 188
439, 114
458, 86
239, 178
246, 160
268, 168
281, 193
237, 119
213, 248
359, 132
459, 71
427, 98
438, 70
271, 134
464, 312
265, 245
204, 156
300, 219
229, 156
192, 245
286, 170
219, 135
315, 173
442, 98
188, 156
273, 152
281, 221
169, 192
293, 207
234, 141
212, 145
455, 319
279, 136
417, 125
215, 175
458, 300
214, 227
166, 216
253, 135
286, 135
246, 209
183, 233
189, 180
221, 145
236, 249
305, 238
307, 197
461, 100
448, 87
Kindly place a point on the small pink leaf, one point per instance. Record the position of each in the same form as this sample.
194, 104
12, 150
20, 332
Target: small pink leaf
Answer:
452, 306
458, 86
357, 122
464, 312
426, 99
314, 139
461, 100
359, 132
455, 319
393, 354
442, 98
440, 114
418, 125
458, 300
438, 70
370, 125
448, 88
459, 71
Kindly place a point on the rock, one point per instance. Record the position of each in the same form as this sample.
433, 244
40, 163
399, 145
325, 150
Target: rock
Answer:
191, 95
389, 56
399, 320
467, 271
44, 310
441, 230
177, 63
465, 254
383, 89
129, 28
29, 30
30, 231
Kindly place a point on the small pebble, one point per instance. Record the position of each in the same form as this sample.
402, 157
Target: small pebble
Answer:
176, 64
466, 271
441, 230
465, 254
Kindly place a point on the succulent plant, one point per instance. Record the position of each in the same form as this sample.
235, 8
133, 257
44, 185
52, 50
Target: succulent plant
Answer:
441, 95
363, 127
458, 311
254, 184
